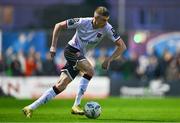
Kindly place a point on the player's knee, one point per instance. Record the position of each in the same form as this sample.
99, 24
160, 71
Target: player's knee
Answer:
90, 72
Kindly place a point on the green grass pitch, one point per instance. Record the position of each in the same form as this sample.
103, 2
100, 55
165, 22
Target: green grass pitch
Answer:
113, 110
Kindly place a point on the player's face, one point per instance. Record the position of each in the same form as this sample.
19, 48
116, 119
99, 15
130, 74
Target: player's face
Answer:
100, 21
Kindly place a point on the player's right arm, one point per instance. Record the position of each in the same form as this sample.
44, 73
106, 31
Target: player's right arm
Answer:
57, 29
68, 24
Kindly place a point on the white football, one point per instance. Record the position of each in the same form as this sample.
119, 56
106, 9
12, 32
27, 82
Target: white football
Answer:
92, 110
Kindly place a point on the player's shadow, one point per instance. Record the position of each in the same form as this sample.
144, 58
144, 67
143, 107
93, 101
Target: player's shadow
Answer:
130, 120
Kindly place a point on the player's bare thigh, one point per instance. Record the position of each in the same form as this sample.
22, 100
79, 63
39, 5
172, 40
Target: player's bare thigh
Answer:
63, 81
85, 67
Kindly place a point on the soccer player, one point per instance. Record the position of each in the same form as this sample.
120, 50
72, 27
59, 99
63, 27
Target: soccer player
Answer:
89, 32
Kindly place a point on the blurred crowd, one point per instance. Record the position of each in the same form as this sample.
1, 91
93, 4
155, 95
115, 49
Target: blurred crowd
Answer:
148, 67
30, 64
141, 67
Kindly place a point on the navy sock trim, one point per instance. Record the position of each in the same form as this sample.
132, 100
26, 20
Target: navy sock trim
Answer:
56, 90
86, 76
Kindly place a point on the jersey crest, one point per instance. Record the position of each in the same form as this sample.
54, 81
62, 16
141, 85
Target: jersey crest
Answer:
99, 35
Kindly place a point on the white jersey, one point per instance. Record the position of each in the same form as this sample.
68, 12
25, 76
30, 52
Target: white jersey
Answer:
86, 36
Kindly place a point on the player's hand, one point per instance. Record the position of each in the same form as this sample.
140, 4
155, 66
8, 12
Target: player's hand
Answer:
52, 52
106, 63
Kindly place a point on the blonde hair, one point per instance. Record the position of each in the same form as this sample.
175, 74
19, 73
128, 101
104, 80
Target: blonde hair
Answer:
103, 11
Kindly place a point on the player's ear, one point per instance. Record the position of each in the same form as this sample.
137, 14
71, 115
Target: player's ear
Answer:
96, 17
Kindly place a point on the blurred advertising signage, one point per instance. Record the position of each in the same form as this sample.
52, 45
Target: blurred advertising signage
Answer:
166, 41
33, 87
24, 41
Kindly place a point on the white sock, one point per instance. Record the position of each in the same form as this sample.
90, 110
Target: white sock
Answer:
82, 88
47, 95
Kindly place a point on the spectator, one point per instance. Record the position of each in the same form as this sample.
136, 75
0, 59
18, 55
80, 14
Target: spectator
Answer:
16, 67
22, 60
49, 67
30, 65
164, 62
152, 70
100, 59
173, 69
39, 70
2, 65
8, 60
129, 67
90, 56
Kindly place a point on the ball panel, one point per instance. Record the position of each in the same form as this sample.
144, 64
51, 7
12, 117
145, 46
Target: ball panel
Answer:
92, 110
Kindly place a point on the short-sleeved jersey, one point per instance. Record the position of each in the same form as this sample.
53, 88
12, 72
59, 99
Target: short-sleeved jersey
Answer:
86, 36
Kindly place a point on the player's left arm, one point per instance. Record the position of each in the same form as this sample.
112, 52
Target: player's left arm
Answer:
120, 48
